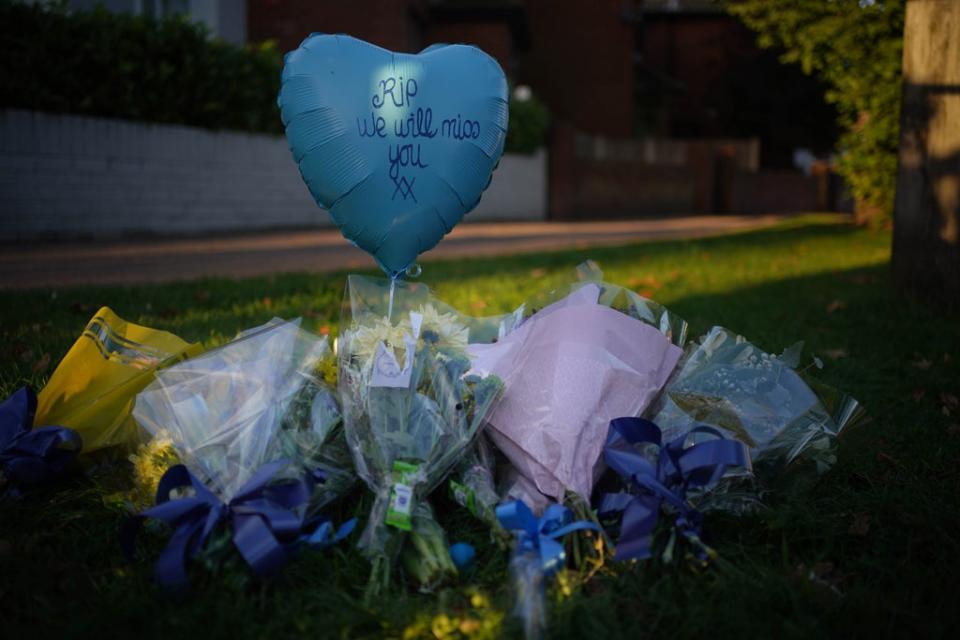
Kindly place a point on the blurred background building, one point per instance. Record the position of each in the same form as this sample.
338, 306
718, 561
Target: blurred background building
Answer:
655, 107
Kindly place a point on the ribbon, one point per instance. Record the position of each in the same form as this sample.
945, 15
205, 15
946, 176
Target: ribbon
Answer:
678, 468
540, 535
28, 455
261, 516
325, 534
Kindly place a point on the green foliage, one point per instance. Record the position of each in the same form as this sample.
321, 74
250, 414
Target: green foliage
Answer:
870, 551
527, 130
119, 65
125, 66
855, 47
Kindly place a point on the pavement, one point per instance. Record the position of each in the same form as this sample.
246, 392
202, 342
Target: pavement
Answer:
55, 265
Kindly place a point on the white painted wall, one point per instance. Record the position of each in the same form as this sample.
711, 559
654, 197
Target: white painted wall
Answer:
518, 190
67, 176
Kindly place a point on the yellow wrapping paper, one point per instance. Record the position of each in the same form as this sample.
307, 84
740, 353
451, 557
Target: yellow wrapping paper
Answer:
93, 388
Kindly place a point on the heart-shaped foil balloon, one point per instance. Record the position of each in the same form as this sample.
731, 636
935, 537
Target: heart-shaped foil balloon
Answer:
397, 147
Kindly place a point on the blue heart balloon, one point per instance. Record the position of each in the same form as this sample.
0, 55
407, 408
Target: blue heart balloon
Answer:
397, 147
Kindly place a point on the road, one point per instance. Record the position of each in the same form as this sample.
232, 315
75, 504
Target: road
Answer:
56, 265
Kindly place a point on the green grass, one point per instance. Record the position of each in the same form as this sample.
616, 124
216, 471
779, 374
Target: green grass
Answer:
871, 549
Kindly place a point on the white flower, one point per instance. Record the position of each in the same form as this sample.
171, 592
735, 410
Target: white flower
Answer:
443, 330
363, 342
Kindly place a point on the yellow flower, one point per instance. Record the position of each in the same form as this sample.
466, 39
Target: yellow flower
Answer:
150, 462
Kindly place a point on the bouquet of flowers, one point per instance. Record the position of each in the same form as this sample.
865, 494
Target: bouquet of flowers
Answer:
597, 353
254, 400
760, 400
473, 487
410, 412
93, 388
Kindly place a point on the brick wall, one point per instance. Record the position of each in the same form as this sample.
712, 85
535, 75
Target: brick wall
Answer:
581, 63
386, 23
494, 38
69, 176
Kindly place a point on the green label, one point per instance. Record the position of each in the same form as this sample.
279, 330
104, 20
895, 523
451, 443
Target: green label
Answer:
464, 496
401, 495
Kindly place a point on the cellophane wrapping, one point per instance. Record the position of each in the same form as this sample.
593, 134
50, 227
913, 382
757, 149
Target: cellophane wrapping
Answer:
594, 352
256, 399
411, 410
786, 418
473, 486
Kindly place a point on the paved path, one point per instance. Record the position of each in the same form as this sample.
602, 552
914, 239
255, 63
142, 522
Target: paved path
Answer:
165, 260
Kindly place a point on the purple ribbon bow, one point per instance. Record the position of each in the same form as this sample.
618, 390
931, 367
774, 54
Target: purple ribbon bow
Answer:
678, 468
262, 516
31, 456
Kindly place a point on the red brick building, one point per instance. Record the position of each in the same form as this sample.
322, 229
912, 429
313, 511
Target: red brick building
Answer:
577, 56
616, 68
642, 77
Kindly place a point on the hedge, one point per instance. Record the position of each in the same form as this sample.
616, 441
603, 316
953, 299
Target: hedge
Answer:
119, 65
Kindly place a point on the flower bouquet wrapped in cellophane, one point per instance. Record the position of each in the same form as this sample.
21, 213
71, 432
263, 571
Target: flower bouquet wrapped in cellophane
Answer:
473, 487
410, 412
256, 399
788, 420
590, 352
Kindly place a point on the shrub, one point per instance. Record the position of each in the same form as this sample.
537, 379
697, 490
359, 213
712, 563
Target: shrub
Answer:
527, 130
125, 66
855, 47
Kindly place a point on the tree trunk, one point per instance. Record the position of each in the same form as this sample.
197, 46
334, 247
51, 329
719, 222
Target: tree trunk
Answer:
926, 237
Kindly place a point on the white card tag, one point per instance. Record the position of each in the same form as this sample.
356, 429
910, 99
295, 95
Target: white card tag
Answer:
387, 372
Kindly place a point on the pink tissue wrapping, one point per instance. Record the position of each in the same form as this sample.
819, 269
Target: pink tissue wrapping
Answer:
570, 369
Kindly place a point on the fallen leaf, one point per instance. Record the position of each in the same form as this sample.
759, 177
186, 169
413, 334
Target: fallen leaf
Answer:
836, 305
478, 304
325, 330
42, 364
538, 273
860, 525
201, 295
26, 355
267, 302
835, 354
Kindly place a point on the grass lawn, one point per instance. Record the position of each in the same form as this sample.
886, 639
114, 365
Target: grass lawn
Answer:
871, 549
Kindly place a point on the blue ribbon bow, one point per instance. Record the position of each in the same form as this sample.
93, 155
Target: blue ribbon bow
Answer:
677, 470
262, 518
541, 535
29, 455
